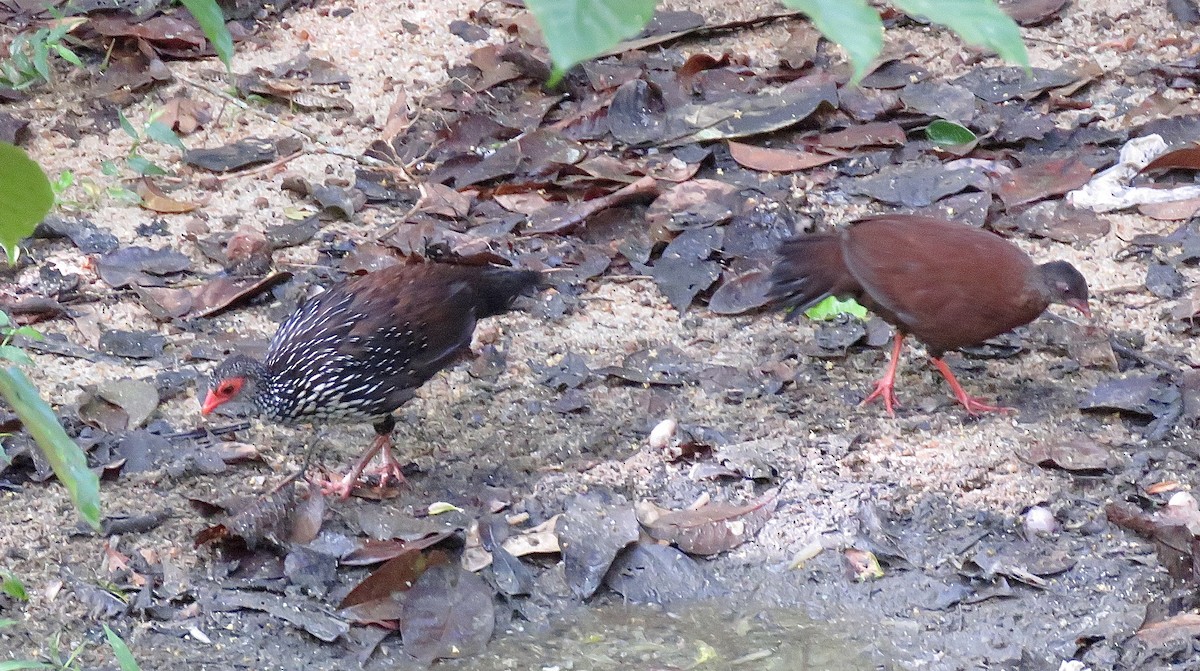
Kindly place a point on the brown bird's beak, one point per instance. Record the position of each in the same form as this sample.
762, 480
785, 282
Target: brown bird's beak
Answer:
210, 403
1081, 305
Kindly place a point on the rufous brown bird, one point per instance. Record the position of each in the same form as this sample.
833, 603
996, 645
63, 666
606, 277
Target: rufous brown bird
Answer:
360, 350
947, 284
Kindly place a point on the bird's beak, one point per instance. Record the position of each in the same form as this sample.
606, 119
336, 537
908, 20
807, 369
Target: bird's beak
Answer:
1081, 305
210, 403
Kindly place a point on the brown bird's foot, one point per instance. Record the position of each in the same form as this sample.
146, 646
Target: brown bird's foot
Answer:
391, 468
885, 388
973, 405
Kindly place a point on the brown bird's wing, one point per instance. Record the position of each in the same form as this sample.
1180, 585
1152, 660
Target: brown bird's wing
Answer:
947, 284
376, 338
809, 269
419, 319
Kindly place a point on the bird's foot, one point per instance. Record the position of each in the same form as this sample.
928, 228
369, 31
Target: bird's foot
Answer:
885, 389
976, 407
343, 487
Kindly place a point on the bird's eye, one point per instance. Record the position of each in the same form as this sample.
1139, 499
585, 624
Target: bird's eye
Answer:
227, 389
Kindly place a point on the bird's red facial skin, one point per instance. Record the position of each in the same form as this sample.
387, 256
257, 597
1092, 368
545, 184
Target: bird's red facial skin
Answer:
226, 390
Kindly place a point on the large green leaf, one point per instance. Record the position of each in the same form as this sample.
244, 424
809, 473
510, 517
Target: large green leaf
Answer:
851, 23
25, 197
68, 461
212, 22
978, 22
576, 30
833, 306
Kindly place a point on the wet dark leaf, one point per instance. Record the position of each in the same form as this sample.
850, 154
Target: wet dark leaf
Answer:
997, 84
84, 234
658, 365
1163, 280
448, 614
296, 612
1146, 395
710, 529
1079, 455
570, 372
742, 116
141, 265
132, 345
1032, 12
894, 74
636, 113
1058, 221
740, 294
919, 185
372, 551
592, 530
940, 100
243, 154
658, 574
693, 204
683, 269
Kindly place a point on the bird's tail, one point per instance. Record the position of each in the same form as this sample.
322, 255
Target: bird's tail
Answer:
809, 268
496, 289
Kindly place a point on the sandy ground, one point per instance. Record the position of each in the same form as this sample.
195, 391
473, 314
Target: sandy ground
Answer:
469, 433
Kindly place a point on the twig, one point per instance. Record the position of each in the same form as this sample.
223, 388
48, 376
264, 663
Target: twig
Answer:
262, 168
201, 433
323, 146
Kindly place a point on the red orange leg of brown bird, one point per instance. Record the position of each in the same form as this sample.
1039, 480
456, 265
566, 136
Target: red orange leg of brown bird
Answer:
885, 388
973, 405
390, 468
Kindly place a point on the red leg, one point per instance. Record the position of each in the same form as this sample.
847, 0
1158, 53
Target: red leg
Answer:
390, 468
973, 405
885, 388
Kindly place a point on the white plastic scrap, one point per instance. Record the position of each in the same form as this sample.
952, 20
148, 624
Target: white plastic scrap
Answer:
1110, 190
1072, 665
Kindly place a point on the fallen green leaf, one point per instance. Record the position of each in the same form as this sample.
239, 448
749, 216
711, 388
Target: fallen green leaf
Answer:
12, 586
833, 306
948, 133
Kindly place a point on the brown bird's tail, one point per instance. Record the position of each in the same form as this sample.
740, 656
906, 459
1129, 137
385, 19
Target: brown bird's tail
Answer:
496, 288
809, 269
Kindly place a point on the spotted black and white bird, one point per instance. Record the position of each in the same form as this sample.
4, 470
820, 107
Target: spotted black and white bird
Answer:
360, 350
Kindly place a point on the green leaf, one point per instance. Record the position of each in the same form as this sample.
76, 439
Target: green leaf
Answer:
4, 319
124, 656
12, 586
15, 355
23, 664
576, 30
212, 22
948, 133
853, 24
161, 132
109, 168
833, 306
127, 126
143, 166
25, 197
41, 59
68, 55
978, 22
68, 461
28, 332
63, 182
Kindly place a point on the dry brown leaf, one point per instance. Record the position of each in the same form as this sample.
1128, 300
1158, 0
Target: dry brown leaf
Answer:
155, 200
780, 160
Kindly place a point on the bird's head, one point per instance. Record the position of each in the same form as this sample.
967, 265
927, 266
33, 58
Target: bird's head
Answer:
1066, 285
235, 379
